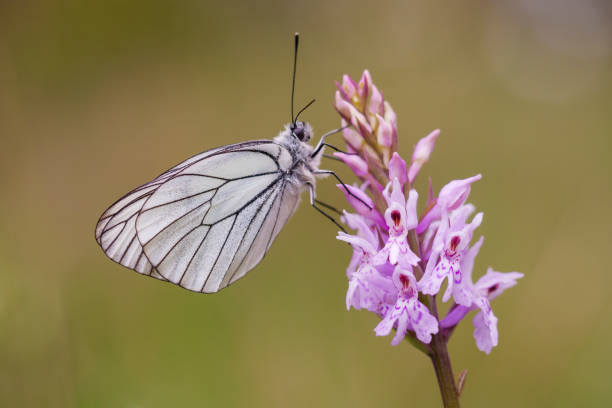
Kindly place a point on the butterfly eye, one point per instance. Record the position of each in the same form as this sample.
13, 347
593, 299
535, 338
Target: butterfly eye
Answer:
298, 131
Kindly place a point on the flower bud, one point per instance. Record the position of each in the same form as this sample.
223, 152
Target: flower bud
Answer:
384, 133
358, 204
355, 163
352, 115
391, 119
421, 154
352, 138
365, 86
397, 169
376, 104
451, 196
349, 86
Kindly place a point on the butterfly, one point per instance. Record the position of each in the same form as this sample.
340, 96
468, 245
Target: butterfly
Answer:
206, 222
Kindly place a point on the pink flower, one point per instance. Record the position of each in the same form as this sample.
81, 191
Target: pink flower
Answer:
397, 169
400, 217
488, 287
368, 289
421, 154
376, 102
348, 89
391, 119
354, 162
373, 127
351, 114
408, 312
384, 134
365, 85
451, 197
381, 270
449, 246
369, 211
491, 285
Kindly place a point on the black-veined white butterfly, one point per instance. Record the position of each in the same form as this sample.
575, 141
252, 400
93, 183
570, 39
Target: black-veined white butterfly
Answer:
206, 222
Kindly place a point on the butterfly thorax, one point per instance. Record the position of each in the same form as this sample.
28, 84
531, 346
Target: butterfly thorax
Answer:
303, 164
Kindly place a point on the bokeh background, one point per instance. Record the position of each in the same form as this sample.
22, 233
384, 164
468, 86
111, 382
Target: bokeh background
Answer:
98, 97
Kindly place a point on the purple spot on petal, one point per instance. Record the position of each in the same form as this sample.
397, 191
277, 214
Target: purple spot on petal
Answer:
396, 217
454, 243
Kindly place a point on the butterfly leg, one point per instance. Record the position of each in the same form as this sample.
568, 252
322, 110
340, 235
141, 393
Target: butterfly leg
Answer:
333, 173
314, 201
329, 207
322, 143
330, 157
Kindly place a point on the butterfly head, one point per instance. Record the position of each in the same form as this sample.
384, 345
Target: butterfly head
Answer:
301, 130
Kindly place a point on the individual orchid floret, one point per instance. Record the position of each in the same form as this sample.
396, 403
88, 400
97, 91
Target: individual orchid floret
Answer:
384, 134
391, 118
397, 169
357, 223
354, 141
348, 89
491, 285
488, 287
400, 217
359, 166
352, 115
421, 154
451, 197
354, 162
376, 102
365, 85
362, 204
368, 289
408, 313
450, 245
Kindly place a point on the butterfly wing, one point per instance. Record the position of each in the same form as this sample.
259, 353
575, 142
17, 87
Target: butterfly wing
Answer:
207, 221
116, 232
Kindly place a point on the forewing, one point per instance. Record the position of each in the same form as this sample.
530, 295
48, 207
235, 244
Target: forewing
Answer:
116, 228
116, 231
207, 221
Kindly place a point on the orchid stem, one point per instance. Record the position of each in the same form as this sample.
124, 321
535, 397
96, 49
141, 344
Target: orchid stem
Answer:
444, 372
442, 364
438, 351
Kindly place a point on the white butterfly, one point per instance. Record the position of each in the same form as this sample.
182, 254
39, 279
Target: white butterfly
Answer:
206, 222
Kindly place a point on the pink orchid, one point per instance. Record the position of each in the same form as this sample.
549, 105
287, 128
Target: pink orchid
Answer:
358, 200
391, 244
449, 246
400, 217
452, 196
488, 287
408, 312
368, 289
422, 151
397, 169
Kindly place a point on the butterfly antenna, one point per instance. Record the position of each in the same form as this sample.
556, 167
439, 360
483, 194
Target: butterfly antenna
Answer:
297, 42
303, 109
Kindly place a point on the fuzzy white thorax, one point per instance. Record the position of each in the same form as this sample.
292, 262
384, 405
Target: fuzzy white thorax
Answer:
304, 165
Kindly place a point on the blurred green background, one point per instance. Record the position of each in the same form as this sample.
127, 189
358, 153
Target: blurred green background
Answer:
99, 97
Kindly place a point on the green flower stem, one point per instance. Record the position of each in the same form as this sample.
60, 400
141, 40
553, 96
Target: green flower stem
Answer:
438, 352
442, 365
